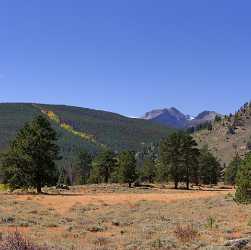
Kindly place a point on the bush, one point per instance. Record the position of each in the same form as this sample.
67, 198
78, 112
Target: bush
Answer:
231, 130
211, 222
186, 233
16, 241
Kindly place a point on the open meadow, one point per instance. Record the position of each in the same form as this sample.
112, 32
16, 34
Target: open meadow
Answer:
117, 217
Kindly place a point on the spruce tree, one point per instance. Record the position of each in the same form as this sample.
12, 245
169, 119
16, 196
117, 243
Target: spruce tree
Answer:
243, 181
127, 167
209, 167
178, 153
149, 170
83, 167
232, 169
102, 166
30, 161
190, 154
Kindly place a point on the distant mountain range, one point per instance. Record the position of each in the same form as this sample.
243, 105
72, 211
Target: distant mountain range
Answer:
174, 118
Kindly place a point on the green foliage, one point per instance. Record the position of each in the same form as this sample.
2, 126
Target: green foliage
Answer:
206, 125
209, 167
190, 154
127, 167
178, 153
243, 181
30, 161
211, 222
249, 144
147, 162
89, 129
83, 168
217, 118
103, 166
115, 131
161, 174
149, 170
231, 130
232, 169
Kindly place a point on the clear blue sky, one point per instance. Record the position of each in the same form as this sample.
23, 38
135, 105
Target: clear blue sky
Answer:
127, 56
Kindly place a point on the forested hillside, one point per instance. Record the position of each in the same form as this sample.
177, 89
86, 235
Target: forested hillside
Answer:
80, 128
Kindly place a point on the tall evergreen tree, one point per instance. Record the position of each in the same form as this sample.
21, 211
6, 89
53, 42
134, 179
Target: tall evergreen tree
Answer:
30, 161
243, 181
209, 167
127, 167
170, 152
102, 166
83, 167
190, 154
232, 169
149, 170
178, 153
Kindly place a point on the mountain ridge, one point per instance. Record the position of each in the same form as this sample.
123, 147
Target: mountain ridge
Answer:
81, 128
172, 117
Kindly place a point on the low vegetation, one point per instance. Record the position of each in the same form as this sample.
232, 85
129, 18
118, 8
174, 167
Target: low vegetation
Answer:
113, 216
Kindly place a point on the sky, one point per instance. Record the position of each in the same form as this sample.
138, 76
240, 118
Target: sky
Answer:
127, 56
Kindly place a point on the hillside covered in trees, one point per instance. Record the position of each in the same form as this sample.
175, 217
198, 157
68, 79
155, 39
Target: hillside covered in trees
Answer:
81, 128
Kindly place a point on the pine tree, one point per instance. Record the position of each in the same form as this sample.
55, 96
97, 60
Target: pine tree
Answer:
83, 167
178, 153
102, 166
243, 181
190, 154
209, 167
127, 167
149, 170
30, 161
232, 169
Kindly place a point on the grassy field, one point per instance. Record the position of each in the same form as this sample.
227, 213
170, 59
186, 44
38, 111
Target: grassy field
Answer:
116, 217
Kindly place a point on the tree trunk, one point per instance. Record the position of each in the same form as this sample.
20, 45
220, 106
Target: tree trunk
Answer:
187, 178
106, 179
187, 182
39, 189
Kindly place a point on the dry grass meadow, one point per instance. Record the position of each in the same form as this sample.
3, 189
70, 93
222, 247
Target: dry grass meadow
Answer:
116, 217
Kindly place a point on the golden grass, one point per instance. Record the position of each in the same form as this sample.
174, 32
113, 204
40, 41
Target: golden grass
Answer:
116, 217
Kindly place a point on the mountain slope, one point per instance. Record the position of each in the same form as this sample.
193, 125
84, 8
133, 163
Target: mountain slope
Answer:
203, 117
81, 128
230, 135
172, 117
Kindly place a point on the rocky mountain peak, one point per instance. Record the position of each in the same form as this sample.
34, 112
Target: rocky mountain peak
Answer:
172, 117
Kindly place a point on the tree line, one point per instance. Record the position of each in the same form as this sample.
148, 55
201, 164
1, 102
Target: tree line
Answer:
32, 162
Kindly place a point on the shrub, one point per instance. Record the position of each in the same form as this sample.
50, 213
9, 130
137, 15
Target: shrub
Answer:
16, 241
211, 222
186, 233
249, 223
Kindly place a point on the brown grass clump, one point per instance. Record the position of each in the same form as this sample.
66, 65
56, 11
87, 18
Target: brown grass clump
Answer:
186, 233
